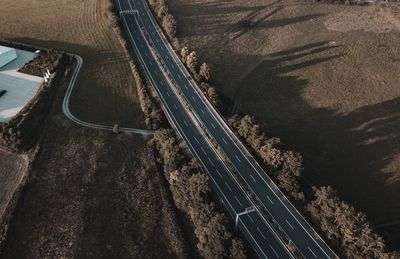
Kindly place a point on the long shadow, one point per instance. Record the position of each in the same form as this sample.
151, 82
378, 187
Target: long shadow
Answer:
93, 100
357, 152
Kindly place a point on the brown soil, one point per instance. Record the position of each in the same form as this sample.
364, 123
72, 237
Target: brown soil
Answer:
105, 92
93, 194
331, 94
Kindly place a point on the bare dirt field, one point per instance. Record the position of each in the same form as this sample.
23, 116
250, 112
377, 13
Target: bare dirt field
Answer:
11, 171
323, 78
105, 92
91, 194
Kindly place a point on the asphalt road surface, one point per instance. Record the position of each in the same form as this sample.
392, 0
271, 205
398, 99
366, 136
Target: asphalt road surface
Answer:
290, 221
253, 225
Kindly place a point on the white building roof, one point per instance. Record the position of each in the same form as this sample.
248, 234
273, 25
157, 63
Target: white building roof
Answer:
5, 49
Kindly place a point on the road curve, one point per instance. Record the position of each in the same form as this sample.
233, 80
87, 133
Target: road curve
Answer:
69, 115
284, 214
259, 233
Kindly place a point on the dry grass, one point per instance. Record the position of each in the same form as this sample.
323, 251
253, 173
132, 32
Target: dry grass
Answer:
105, 92
91, 194
334, 96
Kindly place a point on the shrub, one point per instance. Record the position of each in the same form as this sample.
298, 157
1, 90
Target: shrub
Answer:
169, 25
191, 191
204, 72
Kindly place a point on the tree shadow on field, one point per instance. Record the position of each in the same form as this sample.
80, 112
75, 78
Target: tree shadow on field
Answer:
103, 94
358, 153
216, 17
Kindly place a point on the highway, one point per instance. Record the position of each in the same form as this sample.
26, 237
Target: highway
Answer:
259, 233
290, 221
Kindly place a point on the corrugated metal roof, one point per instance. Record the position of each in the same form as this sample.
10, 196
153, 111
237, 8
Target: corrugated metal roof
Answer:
5, 49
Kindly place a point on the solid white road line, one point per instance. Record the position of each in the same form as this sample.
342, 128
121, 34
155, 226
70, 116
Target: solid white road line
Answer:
290, 225
227, 185
270, 200
261, 233
253, 178
312, 252
273, 250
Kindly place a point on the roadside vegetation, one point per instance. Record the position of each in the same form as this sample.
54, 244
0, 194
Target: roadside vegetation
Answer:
346, 230
193, 195
190, 187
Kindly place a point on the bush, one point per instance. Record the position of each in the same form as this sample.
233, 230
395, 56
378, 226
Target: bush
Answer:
344, 226
285, 165
204, 72
169, 25
191, 191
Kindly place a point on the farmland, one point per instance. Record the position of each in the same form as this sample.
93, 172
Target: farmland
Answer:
323, 78
90, 193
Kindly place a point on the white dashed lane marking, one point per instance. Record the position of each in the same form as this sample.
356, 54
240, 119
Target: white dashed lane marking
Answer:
312, 252
219, 173
273, 250
237, 200
211, 161
238, 159
227, 185
290, 225
261, 233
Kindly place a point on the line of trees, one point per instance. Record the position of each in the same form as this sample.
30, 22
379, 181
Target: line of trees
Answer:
285, 165
192, 194
347, 229
201, 74
164, 17
344, 227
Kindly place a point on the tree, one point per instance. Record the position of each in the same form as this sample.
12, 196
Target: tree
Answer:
169, 25
205, 72
191, 62
184, 54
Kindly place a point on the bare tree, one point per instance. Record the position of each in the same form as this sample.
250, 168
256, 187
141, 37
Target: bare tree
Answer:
191, 62
169, 25
184, 54
204, 72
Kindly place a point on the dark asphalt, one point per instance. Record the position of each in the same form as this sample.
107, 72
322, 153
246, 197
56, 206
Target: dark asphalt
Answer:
253, 225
